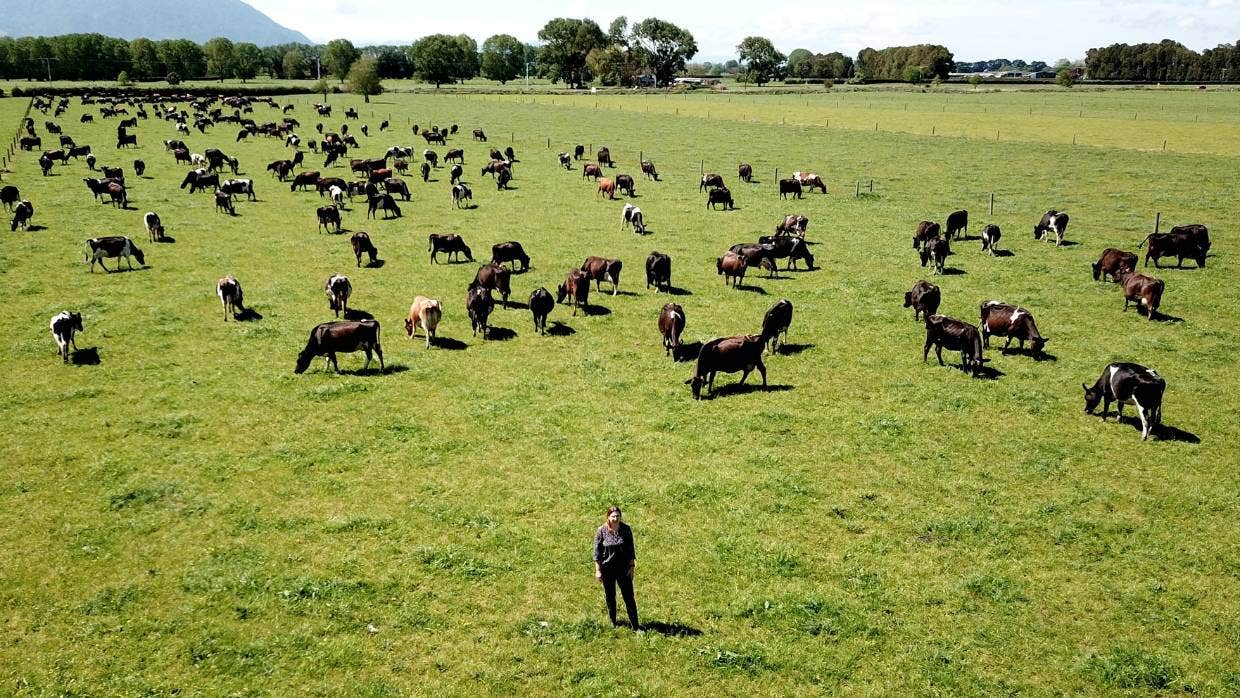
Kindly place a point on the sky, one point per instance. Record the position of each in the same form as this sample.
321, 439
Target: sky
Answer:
1045, 30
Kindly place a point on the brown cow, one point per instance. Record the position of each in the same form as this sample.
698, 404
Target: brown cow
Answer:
607, 188
424, 313
591, 170
671, 325
926, 231
810, 180
1003, 320
943, 331
479, 304
732, 266
600, 268
510, 251
745, 171
362, 245
710, 179
576, 288
1113, 262
331, 337
730, 355
924, 298
1142, 290
495, 276
305, 179
604, 157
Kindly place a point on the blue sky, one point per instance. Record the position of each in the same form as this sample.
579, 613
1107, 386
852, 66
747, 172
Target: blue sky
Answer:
1044, 30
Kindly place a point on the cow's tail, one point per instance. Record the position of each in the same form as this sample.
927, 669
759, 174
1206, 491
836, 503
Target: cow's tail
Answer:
1147, 239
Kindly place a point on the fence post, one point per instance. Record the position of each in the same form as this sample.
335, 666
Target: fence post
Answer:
857, 195
1074, 139
992, 203
871, 186
701, 168
548, 142
1157, 220
1164, 145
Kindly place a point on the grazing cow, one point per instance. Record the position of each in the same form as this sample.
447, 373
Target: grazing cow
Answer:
719, 196
435, 137
1128, 383
1052, 222
1003, 320
789, 186
97, 249
379, 175
239, 186
935, 250
397, 186
329, 216
479, 304
730, 355
990, 237
22, 213
710, 179
1113, 262
331, 338
625, 184
479, 135
182, 155
541, 304
496, 277
632, 215
455, 174
305, 179
757, 255
601, 268
576, 288
1174, 244
1196, 230
385, 202
566, 160
604, 157
455, 155
115, 173
336, 195
64, 326
66, 141
397, 151
924, 298
1141, 290
431, 156
126, 139
956, 335
957, 223
223, 202
671, 325
449, 244
78, 151
732, 267
139, 167
776, 322
461, 194
9, 196
117, 194
579, 151
607, 188
745, 172
425, 170
926, 231
30, 142
497, 154
792, 224
362, 245
659, 272
338, 290
495, 166
400, 165
793, 249
425, 313
154, 228
510, 251
591, 170
229, 291
510, 155
505, 176
45, 164
649, 170
87, 118
810, 180
90, 162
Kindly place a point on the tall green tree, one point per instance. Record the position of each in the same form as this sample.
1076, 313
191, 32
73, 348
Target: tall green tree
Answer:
294, 64
761, 61
364, 78
219, 52
338, 56
468, 66
183, 57
438, 58
503, 58
248, 61
664, 46
800, 63
144, 59
566, 43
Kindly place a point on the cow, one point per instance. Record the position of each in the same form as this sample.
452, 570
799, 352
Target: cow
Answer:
576, 288
601, 268
435, 137
791, 248
924, 298
400, 165
625, 184
510, 251
182, 155
745, 172
425, 171
305, 179
461, 194
1113, 262
117, 194
126, 139
496, 277
1196, 230
329, 216
66, 141
541, 304
338, 290
649, 170
659, 272
22, 213
956, 335
1141, 290
431, 156
1052, 222
604, 157
792, 224
480, 135
479, 304
30, 142
810, 180
607, 187
455, 155
139, 167
730, 355
97, 249
425, 313
776, 322
385, 202
115, 173
397, 187
362, 245
789, 186
495, 166
591, 170
223, 202
710, 179
1122, 383
455, 174
154, 228
757, 255
45, 164
957, 223
579, 151
732, 267
926, 231
449, 244
87, 118
350, 113
720, 196
397, 151
239, 186
990, 237
90, 162
1175, 244
344, 337
632, 215
379, 175
937, 251
497, 154
64, 326
505, 176
671, 326
1003, 320
566, 160
229, 291
510, 155
9, 196
336, 195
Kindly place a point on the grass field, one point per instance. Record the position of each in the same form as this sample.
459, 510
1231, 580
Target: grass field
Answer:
188, 515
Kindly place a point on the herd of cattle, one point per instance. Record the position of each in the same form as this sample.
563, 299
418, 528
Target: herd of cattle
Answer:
380, 182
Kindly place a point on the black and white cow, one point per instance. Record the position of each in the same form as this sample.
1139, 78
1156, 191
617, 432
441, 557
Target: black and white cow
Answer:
338, 290
231, 297
990, 237
234, 187
1128, 383
1052, 222
64, 325
112, 246
22, 213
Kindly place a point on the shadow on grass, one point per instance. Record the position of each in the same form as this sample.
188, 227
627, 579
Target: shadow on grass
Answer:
1004, 253
793, 349
687, 352
356, 314
594, 310
678, 291
247, 315
748, 387
85, 357
166, 240
752, 289
559, 329
515, 305
1157, 316
670, 629
953, 271
1162, 432
449, 344
1068, 243
374, 370
499, 334
617, 293
36, 228
377, 264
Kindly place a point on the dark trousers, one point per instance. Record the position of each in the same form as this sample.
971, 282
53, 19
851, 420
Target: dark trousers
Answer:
610, 579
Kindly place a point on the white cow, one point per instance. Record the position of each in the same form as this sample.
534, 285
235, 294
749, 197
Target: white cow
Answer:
425, 313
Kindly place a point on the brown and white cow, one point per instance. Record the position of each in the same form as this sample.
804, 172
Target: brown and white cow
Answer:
330, 338
231, 297
425, 313
671, 325
1113, 262
924, 298
955, 335
710, 179
720, 195
792, 224
730, 355
591, 170
1013, 322
810, 180
1142, 290
601, 268
745, 172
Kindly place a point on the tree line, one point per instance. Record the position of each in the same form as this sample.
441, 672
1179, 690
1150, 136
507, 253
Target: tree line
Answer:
1166, 61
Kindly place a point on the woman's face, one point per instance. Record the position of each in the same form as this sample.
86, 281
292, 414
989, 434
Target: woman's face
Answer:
613, 518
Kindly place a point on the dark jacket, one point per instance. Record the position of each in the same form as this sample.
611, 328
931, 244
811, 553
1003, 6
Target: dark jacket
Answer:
614, 550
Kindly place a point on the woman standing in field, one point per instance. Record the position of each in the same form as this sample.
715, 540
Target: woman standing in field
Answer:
614, 559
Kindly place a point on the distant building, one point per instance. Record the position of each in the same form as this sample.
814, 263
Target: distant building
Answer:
1040, 75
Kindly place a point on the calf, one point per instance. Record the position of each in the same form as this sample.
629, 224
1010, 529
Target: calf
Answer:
732, 267
449, 244
97, 249
710, 179
745, 172
1052, 222
362, 245
1128, 383
625, 184
541, 305
719, 196
385, 202
64, 326
22, 213
649, 171
329, 216
461, 194
425, 313
497, 277
1141, 290
730, 355
659, 272
1003, 320
957, 223
345, 337
576, 288
926, 231
601, 268
479, 304
936, 250
789, 187
338, 290
990, 237
154, 228
943, 331
776, 322
671, 325
1174, 244
510, 251
229, 291
1113, 262
924, 298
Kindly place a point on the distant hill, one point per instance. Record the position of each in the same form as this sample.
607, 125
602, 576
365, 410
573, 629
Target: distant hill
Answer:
197, 20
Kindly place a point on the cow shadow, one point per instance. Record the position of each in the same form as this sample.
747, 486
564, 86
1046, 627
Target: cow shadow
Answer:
988, 373
166, 240
1069, 243
1004, 253
499, 334
36, 228
1157, 316
85, 357
670, 629
1162, 432
953, 271
515, 305
247, 315
687, 352
448, 343
594, 310
752, 289
677, 291
620, 293
559, 329
458, 260
375, 264
749, 387
792, 349
356, 314
374, 370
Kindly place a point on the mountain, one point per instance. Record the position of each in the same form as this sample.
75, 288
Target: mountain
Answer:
197, 20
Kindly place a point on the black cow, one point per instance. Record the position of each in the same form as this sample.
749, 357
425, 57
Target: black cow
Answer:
425, 170
579, 151
454, 155
1113, 262
792, 248
956, 335
1128, 383
1174, 244
9, 196
1196, 230
30, 142
671, 326
496, 277
362, 245
541, 305
757, 255
745, 172
659, 272
1003, 320
480, 135
957, 222
479, 304
625, 184
139, 167
330, 338
223, 202
719, 196
924, 298
449, 244
455, 174
936, 250
649, 170
730, 355
510, 251
790, 186
126, 139
385, 202
604, 157
200, 180
329, 216
776, 322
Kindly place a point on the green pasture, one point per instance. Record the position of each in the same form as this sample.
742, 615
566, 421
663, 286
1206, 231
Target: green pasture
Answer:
188, 516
